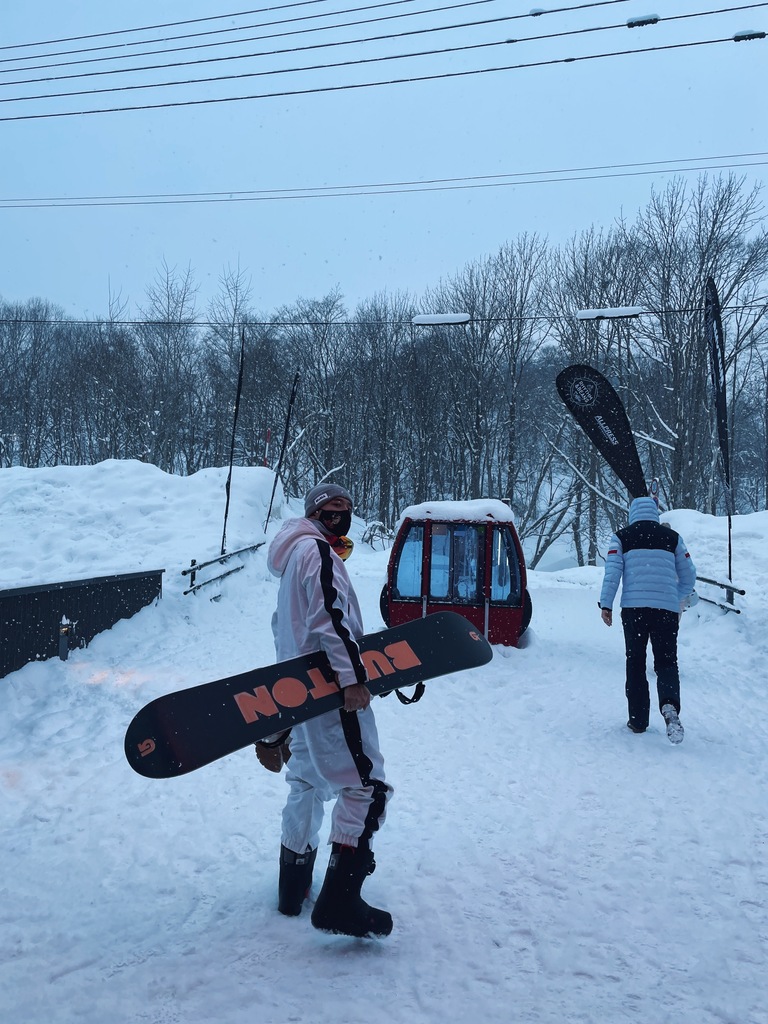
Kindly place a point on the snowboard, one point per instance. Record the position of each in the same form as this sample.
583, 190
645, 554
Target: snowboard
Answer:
182, 731
593, 402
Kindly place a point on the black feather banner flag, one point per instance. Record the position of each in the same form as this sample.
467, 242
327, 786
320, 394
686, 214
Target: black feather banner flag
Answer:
594, 404
713, 332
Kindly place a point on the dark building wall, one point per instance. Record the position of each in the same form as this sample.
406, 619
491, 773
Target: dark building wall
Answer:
47, 621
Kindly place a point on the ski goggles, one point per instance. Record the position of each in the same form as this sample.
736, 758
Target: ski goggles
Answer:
343, 547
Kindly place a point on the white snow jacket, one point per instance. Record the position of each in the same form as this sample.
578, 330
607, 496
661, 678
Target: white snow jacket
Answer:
651, 562
317, 607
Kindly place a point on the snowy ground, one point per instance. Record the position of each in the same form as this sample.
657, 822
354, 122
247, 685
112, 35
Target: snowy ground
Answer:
543, 864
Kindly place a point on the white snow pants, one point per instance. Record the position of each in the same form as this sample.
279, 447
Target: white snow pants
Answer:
335, 755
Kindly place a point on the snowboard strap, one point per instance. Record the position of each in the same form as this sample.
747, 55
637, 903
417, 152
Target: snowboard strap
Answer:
418, 693
272, 744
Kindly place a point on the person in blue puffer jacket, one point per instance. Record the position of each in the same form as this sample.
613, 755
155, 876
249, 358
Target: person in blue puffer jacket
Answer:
657, 575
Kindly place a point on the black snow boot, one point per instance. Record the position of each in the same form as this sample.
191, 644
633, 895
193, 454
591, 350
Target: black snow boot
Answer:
295, 880
340, 908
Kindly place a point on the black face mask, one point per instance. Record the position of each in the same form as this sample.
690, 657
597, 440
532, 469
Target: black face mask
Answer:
336, 523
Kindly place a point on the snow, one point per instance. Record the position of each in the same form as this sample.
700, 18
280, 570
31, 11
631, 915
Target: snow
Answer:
643, 20
434, 319
543, 864
610, 312
479, 510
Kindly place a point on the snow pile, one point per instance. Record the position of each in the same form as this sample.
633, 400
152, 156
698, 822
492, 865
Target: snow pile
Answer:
543, 864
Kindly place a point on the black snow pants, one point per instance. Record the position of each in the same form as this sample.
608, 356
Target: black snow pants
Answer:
660, 627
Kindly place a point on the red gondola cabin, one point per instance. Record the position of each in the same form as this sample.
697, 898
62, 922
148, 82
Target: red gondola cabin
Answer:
459, 555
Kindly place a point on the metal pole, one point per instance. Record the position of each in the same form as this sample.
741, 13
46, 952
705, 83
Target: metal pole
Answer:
291, 400
234, 431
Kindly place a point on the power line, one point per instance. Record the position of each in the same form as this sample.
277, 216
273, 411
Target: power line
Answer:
316, 46
251, 74
274, 35
541, 177
539, 317
232, 42
176, 24
390, 3
272, 53
369, 85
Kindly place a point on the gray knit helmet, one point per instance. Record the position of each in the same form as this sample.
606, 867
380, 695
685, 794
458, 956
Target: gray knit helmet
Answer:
322, 494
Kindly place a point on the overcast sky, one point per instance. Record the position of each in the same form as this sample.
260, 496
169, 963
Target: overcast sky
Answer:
673, 111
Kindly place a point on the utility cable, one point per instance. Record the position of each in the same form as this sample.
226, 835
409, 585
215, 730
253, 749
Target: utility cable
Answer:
538, 317
282, 94
194, 21
335, 65
273, 53
571, 174
316, 46
332, 14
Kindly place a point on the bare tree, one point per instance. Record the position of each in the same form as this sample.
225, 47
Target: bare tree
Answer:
378, 339
684, 236
591, 271
521, 271
313, 343
172, 395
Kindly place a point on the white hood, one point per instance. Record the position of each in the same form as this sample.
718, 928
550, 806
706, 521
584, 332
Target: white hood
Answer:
285, 541
316, 604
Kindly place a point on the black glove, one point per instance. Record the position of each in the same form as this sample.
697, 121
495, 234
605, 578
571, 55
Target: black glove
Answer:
273, 754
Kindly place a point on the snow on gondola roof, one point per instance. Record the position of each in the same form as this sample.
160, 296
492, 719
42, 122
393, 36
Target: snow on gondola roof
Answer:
480, 510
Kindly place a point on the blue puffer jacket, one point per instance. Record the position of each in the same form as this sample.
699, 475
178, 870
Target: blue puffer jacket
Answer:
650, 560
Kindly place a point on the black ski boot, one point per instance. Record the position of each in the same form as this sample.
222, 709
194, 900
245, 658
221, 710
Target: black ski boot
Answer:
339, 907
295, 880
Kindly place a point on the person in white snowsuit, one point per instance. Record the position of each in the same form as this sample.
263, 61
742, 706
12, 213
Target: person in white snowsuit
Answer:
657, 575
336, 755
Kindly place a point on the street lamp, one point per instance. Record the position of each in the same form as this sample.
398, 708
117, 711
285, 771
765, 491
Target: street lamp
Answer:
611, 313
434, 319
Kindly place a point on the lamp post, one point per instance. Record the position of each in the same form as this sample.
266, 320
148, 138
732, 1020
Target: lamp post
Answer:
435, 320
595, 316
612, 313
439, 320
